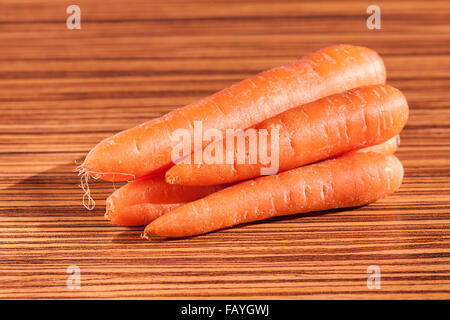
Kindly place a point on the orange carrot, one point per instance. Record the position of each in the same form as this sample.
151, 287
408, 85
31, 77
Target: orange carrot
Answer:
319, 130
387, 147
351, 180
143, 200
138, 151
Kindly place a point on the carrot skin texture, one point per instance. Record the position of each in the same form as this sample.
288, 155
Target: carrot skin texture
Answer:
138, 151
143, 200
351, 180
325, 128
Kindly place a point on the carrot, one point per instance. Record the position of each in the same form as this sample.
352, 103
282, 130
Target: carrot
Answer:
387, 147
351, 180
319, 130
145, 199
138, 151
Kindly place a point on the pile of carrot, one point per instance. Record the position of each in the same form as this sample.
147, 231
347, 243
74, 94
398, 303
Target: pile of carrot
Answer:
338, 127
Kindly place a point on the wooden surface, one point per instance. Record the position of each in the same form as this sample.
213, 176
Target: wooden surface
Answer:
61, 91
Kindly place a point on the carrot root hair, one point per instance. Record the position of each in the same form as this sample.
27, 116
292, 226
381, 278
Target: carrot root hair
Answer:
88, 201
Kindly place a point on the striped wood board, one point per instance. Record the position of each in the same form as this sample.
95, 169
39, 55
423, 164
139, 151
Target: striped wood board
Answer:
61, 91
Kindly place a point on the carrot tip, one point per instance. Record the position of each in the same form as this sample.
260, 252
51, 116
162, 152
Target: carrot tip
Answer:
145, 236
88, 201
397, 140
109, 209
